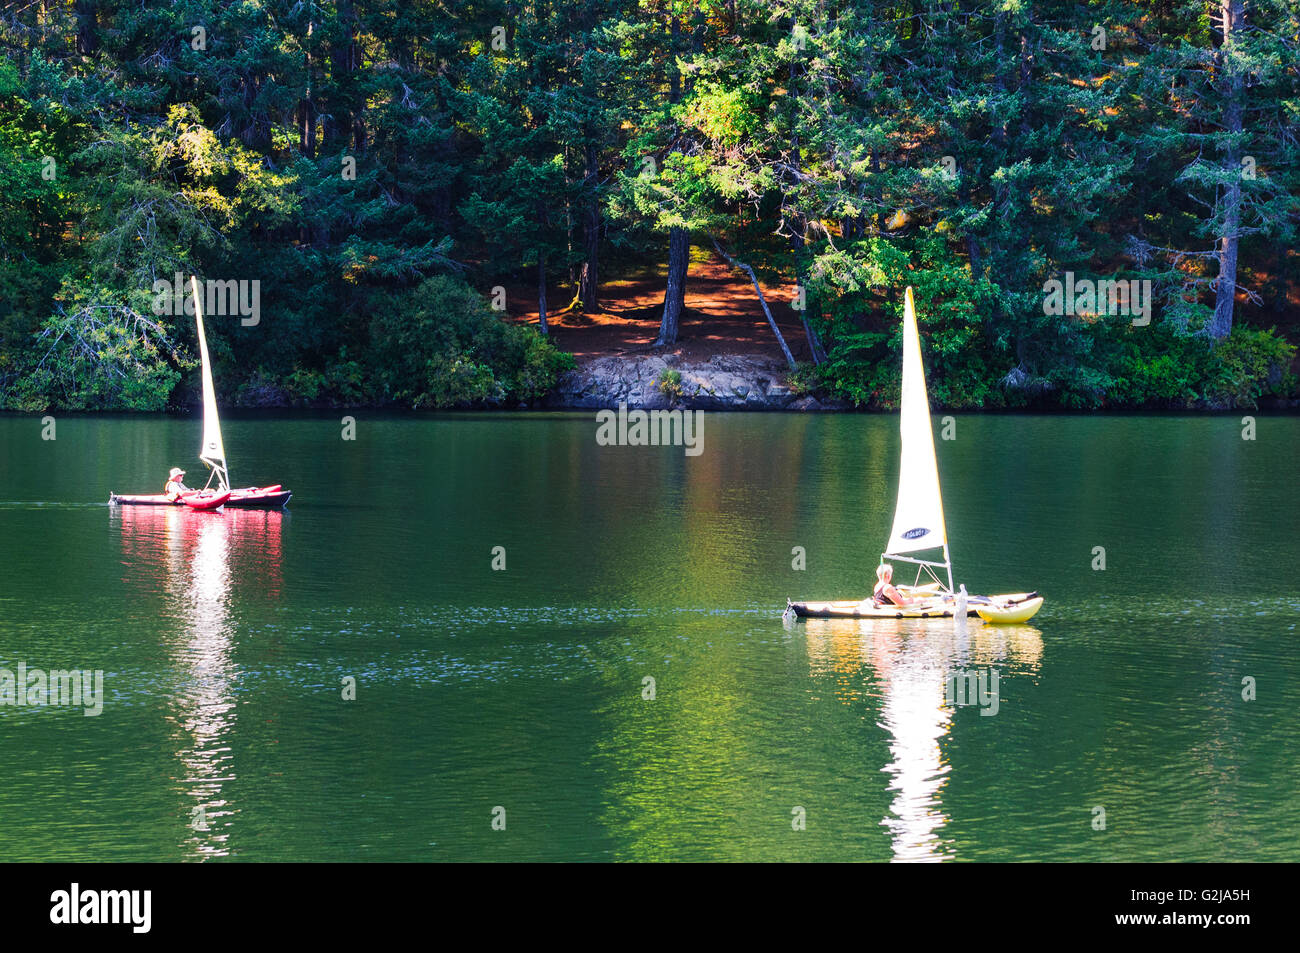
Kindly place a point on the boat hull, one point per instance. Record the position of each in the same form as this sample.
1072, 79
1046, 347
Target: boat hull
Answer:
1020, 612
264, 496
203, 500
868, 610
249, 497
940, 609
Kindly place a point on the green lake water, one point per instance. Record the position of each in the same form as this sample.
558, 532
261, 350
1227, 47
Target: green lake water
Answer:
225, 640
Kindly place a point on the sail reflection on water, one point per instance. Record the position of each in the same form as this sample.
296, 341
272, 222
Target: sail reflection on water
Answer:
193, 560
913, 662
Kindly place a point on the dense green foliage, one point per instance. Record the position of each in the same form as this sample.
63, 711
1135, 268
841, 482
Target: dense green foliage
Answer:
379, 167
441, 346
1160, 369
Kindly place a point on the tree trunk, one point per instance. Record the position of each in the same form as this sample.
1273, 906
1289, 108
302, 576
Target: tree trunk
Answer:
256, 130
799, 231
878, 192
306, 107
674, 75
679, 239
1026, 78
679, 258
343, 63
589, 277
973, 254
780, 338
964, 197
999, 78
87, 37
541, 294
814, 342
568, 247
1225, 286
307, 127
797, 242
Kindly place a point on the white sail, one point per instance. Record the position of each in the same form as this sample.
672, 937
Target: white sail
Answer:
918, 515
211, 451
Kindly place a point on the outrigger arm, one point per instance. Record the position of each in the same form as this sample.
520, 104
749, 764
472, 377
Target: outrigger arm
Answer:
927, 565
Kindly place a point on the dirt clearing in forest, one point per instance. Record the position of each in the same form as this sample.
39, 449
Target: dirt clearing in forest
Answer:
722, 316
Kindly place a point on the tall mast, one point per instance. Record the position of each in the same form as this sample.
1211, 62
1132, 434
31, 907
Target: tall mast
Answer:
212, 451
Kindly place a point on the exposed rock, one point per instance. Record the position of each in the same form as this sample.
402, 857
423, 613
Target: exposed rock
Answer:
723, 382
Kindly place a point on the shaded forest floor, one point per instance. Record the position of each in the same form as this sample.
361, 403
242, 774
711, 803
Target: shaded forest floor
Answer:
723, 315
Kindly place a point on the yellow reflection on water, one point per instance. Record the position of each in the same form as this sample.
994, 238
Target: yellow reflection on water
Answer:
912, 661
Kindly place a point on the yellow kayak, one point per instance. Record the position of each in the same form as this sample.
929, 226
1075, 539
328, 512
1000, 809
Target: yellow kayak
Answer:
1016, 612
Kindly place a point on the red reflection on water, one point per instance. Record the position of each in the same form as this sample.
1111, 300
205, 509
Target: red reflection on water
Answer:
165, 539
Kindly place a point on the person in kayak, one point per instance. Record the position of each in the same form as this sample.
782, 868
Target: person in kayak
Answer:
175, 485
885, 593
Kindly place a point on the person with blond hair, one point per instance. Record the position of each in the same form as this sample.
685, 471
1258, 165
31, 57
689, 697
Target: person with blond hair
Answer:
885, 593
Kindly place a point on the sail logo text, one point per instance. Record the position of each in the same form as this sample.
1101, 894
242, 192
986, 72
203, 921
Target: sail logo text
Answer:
222, 298
34, 687
76, 906
1109, 296
653, 428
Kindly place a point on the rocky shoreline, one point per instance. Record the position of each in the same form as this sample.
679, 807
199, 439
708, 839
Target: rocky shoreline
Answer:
653, 382
742, 382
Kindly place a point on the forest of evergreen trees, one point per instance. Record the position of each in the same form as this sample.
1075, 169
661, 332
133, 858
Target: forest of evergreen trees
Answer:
379, 167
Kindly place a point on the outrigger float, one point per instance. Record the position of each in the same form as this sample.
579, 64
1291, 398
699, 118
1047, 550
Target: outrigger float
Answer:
919, 525
212, 452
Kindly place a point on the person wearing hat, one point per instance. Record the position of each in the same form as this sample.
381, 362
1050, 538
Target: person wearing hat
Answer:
175, 486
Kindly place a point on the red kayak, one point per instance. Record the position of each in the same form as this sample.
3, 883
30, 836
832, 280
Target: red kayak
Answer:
204, 499
259, 496
253, 496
